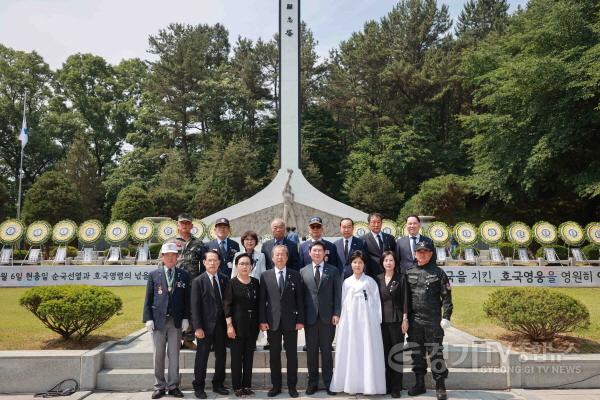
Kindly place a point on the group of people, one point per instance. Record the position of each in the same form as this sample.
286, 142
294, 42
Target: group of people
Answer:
365, 294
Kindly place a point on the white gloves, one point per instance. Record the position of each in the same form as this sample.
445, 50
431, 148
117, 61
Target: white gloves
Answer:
185, 324
150, 326
445, 324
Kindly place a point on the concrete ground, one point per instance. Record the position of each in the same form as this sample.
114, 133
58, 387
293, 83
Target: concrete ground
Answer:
517, 394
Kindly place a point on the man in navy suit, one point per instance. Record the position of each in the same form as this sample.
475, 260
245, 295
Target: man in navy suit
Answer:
166, 314
208, 320
315, 228
406, 245
323, 305
347, 245
377, 242
278, 230
281, 315
226, 247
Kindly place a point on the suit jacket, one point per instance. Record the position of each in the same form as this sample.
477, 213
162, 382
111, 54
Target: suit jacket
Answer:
204, 304
356, 244
241, 304
293, 258
157, 297
374, 252
404, 254
323, 301
232, 248
281, 311
331, 256
394, 300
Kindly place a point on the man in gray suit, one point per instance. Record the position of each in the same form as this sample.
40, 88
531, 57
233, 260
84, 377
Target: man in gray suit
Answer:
406, 245
323, 304
166, 314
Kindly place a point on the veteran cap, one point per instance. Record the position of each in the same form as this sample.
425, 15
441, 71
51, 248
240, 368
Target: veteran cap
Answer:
423, 246
185, 217
169, 247
222, 221
315, 221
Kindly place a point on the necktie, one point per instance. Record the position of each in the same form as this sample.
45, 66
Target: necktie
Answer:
414, 244
170, 279
346, 249
222, 247
317, 274
216, 290
281, 282
380, 241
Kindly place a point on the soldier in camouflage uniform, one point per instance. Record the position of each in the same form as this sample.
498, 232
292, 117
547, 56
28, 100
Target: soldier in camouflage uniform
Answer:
191, 253
430, 309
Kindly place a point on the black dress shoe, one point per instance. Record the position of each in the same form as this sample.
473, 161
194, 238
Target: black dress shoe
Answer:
175, 392
239, 393
221, 390
266, 347
157, 394
331, 392
396, 394
200, 394
248, 391
311, 390
274, 391
293, 392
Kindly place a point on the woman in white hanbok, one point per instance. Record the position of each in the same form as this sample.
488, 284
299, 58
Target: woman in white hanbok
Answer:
359, 361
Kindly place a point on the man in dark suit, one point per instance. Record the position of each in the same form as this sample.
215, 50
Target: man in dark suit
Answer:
347, 245
208, 320
377, 242
323, 305
406, 245
278, 230
166, 314
226, 247
281, 314
315, 228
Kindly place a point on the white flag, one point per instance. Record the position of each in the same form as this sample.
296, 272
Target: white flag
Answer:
24, 135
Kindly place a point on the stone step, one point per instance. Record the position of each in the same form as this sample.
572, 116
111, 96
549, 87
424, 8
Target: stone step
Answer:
456, 356
143, 379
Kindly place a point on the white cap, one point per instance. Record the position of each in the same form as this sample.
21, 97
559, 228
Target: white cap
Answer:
169, 247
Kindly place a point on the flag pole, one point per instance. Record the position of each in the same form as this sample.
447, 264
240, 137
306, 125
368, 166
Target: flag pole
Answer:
21, 163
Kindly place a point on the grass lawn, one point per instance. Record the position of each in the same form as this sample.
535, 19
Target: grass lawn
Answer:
469, 316
20, 330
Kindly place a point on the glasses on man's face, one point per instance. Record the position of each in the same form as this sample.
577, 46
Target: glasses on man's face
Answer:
315, 226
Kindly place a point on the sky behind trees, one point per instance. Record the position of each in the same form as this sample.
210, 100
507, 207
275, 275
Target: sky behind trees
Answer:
118, 29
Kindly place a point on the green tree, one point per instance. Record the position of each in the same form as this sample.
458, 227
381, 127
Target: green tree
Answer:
80, 168
480, 17
132, 203
92, 91
535, 124
444, 197
375, 191
52, 198
185, 82
168, 202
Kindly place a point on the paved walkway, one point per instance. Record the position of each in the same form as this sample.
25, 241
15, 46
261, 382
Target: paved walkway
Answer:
517, 394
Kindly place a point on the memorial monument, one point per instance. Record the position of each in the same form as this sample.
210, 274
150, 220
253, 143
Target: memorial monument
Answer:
289, 195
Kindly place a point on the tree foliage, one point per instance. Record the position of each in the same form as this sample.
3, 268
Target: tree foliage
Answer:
132, 203
51, 198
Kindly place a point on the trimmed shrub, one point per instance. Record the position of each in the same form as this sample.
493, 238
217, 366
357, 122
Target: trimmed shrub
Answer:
591, 252
154, 250
538, 313
71, 251
132, 203
561, 251
72, 309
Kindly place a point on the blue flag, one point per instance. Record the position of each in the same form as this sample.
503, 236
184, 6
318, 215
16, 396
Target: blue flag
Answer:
24, 135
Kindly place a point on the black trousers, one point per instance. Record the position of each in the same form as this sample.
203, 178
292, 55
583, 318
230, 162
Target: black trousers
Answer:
393, 341
242, 358
290, 343
319, 336
217, 340
427, 339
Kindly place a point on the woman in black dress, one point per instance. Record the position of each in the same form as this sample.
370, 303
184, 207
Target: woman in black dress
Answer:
394, 307
240, 305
